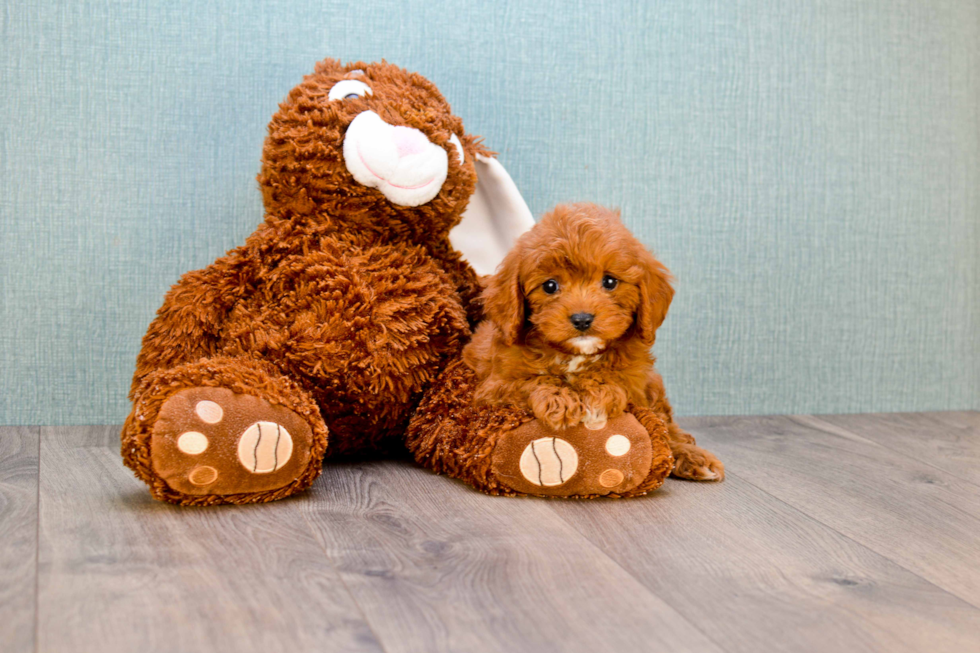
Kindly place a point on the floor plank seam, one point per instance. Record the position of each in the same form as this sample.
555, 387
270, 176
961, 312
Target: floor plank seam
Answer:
598, 548
37, 548
854, 541
829, 430
340, 578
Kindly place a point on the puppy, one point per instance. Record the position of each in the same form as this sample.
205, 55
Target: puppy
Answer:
572, 313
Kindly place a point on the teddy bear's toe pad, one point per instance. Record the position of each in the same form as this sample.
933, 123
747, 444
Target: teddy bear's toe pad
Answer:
214, 441
578, 461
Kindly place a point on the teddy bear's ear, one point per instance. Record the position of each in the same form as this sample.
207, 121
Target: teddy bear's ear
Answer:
494, 218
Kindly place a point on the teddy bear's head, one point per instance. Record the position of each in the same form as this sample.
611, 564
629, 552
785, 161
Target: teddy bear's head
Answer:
372, 148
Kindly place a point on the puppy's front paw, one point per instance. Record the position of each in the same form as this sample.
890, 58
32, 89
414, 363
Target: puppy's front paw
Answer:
594, 419
696, 464
557, 408
562, 418
602, 402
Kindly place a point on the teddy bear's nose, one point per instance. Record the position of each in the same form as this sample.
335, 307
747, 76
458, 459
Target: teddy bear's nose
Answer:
409, 141
582, 321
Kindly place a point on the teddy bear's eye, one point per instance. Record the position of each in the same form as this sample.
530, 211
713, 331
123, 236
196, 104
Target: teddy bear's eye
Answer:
348, 88
609, 283
454, 139
550, 287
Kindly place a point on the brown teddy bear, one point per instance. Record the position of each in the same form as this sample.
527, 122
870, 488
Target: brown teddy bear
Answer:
319, 335
339, 311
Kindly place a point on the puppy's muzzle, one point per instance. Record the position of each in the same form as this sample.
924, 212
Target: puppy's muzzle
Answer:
582, 321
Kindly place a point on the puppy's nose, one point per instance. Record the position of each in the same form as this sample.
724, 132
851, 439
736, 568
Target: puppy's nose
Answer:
582, 321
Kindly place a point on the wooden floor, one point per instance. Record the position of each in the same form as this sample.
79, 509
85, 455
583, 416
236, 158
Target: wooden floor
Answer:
843, 534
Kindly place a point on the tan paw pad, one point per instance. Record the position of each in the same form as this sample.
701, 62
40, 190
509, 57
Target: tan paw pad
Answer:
192, 443
548, 462
209, 412
611, 478
264, 447
618, 445
203, 475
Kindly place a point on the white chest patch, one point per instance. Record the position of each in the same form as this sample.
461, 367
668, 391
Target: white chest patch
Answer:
574, 364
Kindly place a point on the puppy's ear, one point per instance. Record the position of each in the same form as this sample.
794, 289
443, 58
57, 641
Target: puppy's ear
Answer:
503, 299
656, 293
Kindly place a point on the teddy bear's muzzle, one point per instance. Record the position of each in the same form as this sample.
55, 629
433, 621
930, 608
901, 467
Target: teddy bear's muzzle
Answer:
401, 162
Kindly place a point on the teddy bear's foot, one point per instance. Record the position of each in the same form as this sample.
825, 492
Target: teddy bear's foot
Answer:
580, 461
212, 441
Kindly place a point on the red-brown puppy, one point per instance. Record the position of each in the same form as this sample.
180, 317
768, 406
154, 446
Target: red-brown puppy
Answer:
572, 313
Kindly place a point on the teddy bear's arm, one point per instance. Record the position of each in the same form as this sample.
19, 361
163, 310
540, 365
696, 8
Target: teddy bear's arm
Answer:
188, 323
463, 278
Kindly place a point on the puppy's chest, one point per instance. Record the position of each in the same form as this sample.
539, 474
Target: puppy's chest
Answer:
573, 368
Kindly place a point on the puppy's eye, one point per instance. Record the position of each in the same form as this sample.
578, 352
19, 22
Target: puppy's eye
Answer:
346, 89
609, 283
550, 287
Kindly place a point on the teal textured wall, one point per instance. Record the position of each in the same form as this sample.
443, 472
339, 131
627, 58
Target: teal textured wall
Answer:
808, 169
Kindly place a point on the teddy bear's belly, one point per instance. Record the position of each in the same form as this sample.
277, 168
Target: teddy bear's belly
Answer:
364, 334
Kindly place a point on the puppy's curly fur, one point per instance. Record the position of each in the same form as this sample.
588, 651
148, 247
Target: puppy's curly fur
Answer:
573, 312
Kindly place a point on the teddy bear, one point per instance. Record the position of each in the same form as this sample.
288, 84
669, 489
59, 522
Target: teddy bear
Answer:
320, 335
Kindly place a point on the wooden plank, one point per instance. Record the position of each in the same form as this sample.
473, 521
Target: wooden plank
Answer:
759, 575
437, 566
961, 418
907, 511
119, 571
18, 537
948, 441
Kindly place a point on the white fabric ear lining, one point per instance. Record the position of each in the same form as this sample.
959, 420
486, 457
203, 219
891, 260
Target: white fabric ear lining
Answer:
495, 217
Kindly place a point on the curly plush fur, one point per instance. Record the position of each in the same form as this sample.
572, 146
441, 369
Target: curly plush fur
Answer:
451, 435
342, 306
573, 312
